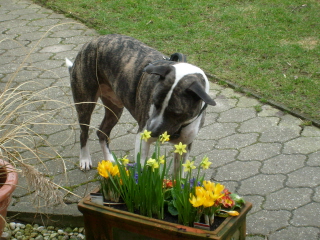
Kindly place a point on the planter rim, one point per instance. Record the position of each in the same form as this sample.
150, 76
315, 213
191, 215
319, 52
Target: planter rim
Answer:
172, 226
11, 182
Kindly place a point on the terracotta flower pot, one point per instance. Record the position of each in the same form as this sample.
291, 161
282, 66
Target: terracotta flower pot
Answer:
8, 183
103, 222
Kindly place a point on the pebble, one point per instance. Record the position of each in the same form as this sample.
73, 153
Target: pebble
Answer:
19, 231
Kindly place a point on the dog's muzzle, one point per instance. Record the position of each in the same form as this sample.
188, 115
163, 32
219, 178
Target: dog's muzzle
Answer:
177, 134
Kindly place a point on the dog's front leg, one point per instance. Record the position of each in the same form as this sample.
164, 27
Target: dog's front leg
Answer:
85, 158
106, 152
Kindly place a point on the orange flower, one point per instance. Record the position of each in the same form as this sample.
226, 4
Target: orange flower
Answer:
167, 183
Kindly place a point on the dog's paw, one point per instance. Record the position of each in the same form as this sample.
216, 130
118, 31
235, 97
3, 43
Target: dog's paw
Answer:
85, 165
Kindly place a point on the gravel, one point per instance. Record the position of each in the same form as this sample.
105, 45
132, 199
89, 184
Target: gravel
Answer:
19, 231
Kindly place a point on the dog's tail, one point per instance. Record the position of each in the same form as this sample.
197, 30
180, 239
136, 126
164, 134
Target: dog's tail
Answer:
69, 64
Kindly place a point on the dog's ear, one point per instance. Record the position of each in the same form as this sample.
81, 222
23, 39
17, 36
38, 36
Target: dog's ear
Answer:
198, 90
162, 71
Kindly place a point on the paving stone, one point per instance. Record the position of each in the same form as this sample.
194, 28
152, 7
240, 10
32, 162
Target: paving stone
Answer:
237, 141
6, 17
202, 147
43, 22
258, 124
37, 45
310, 131
266, 222
283, 164
314, 159
33, 36
47, 64
237, 115
230, 93
211, 118
31, 16
256, 201
16, 51
268, 111
221, 157
9, 68
316, 196
260, 151
230, 185
288, 199
81, 192
247, 102
73, 178
55, 15
307, 215
29, 206
57, 48
217, 131
55, 166
67, 33
301, 233
222, 104
237, 170
304, 145
13, 25
304, 177
290, 121
22, 11
279, 134
255, 238
262, 184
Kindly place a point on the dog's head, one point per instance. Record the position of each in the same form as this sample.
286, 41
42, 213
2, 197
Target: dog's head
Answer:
179, 97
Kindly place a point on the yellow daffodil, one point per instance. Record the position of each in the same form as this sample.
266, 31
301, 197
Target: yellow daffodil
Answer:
161, 159
205, 164
164, 137
180, 148
152, 163
124, 160
145, 135
106, 167
189, 166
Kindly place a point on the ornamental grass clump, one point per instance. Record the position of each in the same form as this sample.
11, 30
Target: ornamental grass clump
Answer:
148, 189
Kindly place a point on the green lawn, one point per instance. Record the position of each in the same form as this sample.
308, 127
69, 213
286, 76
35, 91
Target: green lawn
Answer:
271, 47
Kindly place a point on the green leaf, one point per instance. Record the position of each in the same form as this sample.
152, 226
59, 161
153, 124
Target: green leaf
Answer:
239, 201
167, 194
172, 210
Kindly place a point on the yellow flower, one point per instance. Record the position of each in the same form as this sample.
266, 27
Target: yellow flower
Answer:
164, 137
106, 167
215, 190
124, 160
209, 201
145, 135
188, 166
233, 213
180, 148
197, 200
152, 163
205, 164
161, 159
